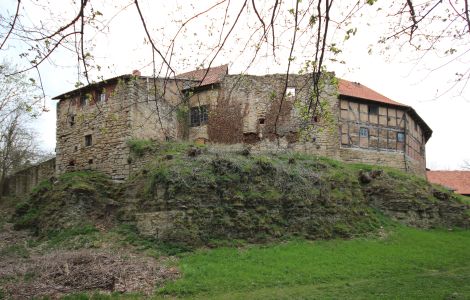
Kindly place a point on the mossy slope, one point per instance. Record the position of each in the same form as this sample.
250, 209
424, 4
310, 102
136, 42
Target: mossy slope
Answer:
197, 196
208, 196
73, 199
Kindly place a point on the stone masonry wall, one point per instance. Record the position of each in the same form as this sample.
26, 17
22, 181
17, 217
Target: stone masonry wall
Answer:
155, 119
242, 110
247, 108
128, 112
207, 97
24, 181
108, 124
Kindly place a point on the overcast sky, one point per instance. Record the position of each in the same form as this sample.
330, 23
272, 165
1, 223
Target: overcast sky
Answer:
396, 73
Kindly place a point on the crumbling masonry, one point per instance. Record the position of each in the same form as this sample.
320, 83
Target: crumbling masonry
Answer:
355, 124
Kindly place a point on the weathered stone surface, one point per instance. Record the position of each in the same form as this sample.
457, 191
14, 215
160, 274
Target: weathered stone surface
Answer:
245, 198
415, 203
95, 123
158, 224
24, 181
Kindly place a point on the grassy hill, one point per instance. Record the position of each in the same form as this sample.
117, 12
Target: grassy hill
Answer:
283, 226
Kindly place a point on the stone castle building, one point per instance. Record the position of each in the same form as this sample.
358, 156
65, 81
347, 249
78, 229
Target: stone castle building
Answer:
352, 123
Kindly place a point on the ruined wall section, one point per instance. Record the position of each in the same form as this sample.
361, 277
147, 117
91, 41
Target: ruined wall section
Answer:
209, 98
23, 182
248, 105
153, 113
93, 133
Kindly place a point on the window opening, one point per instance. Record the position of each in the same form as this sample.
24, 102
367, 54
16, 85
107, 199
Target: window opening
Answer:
90, 161
102, 97
373, 109
290, 92
261, 121
84, 100
71, 120
400, 136
199, 115
363, 132
72, 163
88, 140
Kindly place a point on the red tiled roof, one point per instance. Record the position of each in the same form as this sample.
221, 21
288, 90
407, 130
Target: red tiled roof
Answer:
358, 90
457, 180
215, 75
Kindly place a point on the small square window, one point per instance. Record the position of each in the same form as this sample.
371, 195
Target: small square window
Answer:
261, 121
400, 137
363, 132
88, 140
290, 92
373, 109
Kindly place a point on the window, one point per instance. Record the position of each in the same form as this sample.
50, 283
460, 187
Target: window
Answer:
400, 137
102, 98
199, 115
84, 100
290, 92
373, 109
363, 132
261, 121
71, 120
88, 140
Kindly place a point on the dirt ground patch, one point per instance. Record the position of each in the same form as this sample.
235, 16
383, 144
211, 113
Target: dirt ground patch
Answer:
26, 273
64, 272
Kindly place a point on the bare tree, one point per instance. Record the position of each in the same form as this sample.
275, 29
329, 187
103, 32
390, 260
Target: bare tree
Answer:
301, 33
466, 165
18, 105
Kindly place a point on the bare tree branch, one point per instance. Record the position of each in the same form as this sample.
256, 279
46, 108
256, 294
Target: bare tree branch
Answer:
12, 24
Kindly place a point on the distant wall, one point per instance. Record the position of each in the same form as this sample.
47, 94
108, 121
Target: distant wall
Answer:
24, 181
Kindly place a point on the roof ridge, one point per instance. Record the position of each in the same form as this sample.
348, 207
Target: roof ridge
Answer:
359, 90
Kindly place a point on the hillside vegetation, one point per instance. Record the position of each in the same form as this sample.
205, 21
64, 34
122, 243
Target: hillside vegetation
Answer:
188, 197
193, 196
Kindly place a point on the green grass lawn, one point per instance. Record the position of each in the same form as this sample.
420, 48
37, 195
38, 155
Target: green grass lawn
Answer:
408, 263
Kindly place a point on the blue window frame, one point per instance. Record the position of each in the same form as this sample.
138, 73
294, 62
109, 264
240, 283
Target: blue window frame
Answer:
364, 132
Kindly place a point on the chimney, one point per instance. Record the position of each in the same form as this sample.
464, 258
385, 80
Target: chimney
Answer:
136, 73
